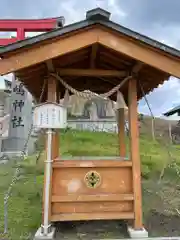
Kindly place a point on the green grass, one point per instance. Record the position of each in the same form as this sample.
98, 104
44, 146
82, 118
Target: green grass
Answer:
24, 205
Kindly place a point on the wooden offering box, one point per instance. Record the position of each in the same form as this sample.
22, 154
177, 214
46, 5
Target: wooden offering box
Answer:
92, 188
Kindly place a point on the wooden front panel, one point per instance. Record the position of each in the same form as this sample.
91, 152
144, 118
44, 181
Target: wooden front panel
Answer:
71, 181
71, 195
89, 207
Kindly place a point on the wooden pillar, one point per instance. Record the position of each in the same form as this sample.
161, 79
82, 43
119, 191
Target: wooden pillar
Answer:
121, 131
52, 96
134, 152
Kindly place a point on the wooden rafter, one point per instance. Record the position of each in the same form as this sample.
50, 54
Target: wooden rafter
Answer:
36, 75
33, 69
112, 83
115, 59
90, 82
93, 55
140, 52
90, 72
69, 60
50, 66
47, 51
137, 67
106, 65
72, 61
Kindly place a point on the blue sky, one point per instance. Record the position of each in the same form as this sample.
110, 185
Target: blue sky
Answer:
157, 19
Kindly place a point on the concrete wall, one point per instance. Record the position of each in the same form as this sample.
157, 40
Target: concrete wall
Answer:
102, 125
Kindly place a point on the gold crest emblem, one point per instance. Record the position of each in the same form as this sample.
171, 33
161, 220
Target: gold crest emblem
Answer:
92, 179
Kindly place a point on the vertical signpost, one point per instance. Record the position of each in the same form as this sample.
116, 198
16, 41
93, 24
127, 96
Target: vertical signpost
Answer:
48, 116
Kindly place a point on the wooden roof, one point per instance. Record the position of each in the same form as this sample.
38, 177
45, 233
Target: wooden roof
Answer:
95, 43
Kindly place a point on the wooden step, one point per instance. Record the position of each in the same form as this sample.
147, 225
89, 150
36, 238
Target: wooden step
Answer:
92, 216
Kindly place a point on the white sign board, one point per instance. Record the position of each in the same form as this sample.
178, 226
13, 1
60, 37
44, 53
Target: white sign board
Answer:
50, 115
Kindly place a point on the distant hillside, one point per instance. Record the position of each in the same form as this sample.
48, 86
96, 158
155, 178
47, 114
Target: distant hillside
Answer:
161, 126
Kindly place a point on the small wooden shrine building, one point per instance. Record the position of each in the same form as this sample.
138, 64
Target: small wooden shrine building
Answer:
95, 54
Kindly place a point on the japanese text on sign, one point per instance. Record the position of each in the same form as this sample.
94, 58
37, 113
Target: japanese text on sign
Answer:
17, 106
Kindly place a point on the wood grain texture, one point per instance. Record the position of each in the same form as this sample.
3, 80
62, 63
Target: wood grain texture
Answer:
73, 200
91, 216
134, 153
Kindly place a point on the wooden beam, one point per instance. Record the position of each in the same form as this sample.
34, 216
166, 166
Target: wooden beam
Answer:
52, 97
111, 65
72, 60
137, 67
113, 84
75, 57
52, 89
134, 153
74, 216
141, 52
93, 55
107, 56
32, 75
40, 53
90, 72
50, 66
16, 60
121, 131
32, 69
